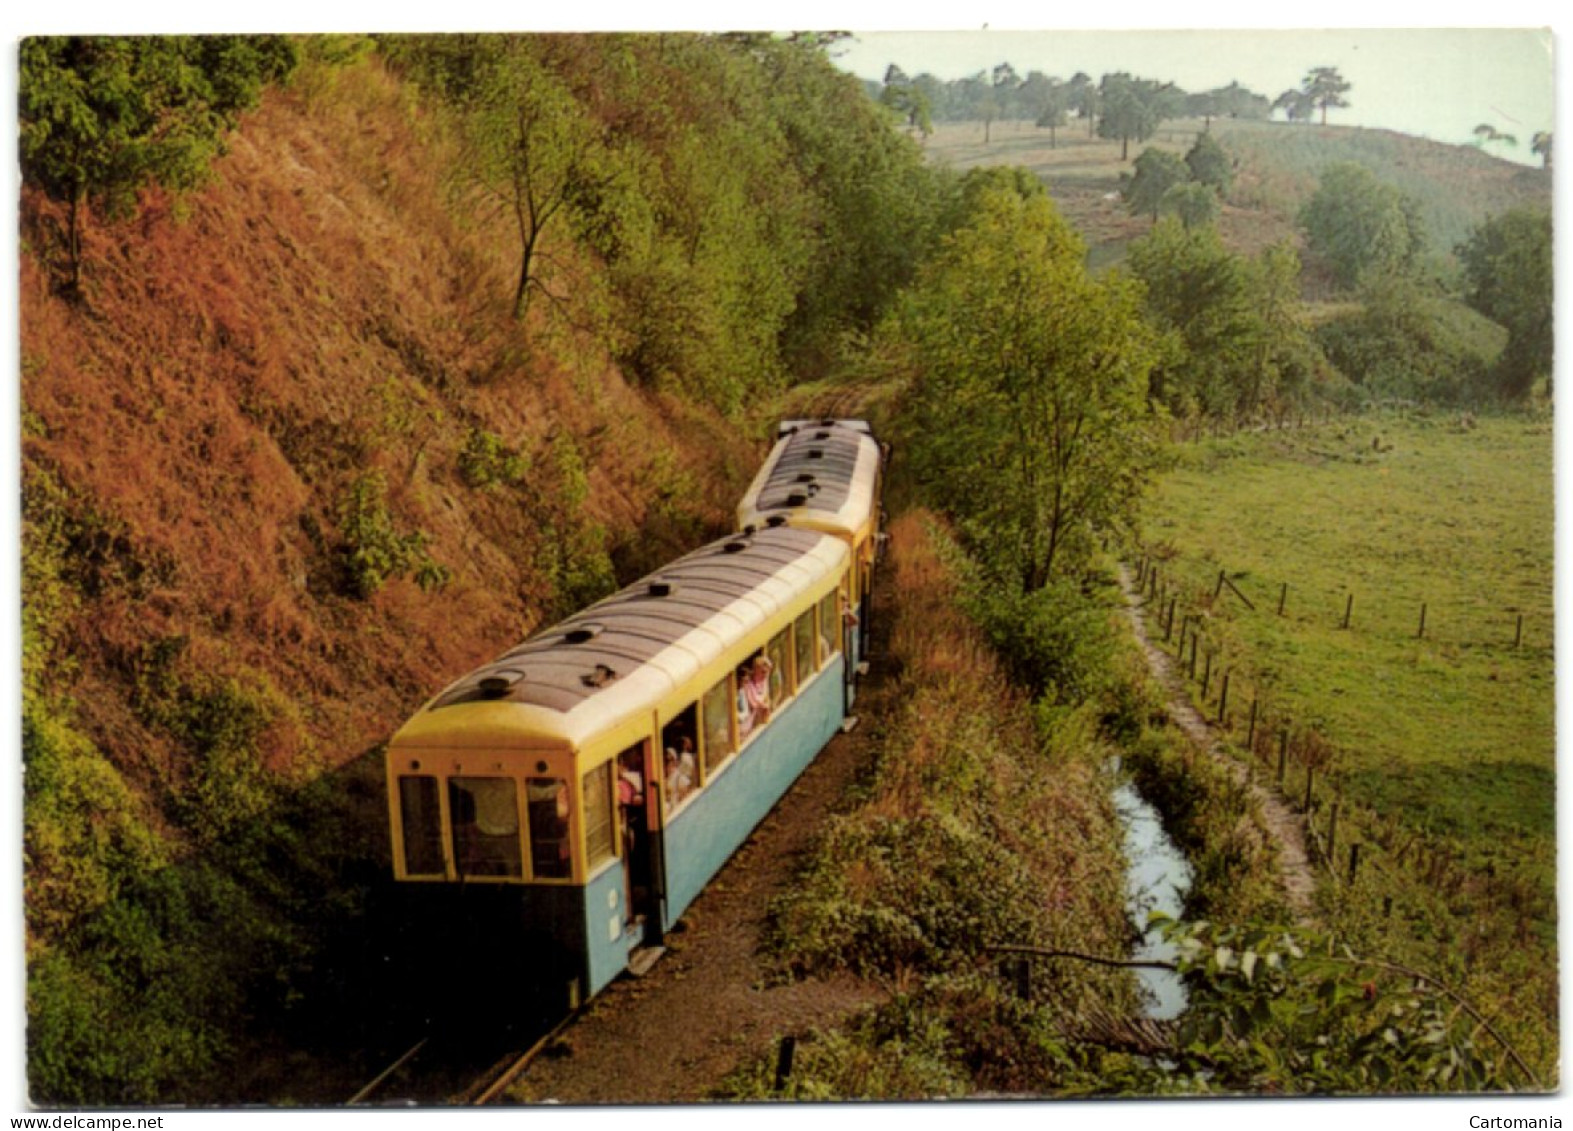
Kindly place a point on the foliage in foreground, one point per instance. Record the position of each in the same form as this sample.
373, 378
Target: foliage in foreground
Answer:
1296, 1013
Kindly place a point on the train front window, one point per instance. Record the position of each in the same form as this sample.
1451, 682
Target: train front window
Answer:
420, 816
485, 816
548, 813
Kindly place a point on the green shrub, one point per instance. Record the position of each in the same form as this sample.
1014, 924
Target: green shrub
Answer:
83, 832
373, 551
485, 460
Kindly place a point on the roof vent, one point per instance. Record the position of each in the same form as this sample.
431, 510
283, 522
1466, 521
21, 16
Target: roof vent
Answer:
499, 683
599, 677
661, 587
806, 477
821, 435
749, 529
583, 633
776, 520
827, 423
797, 498
735, 546
816, 453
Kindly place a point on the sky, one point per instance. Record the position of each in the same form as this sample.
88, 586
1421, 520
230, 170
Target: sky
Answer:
1435, 83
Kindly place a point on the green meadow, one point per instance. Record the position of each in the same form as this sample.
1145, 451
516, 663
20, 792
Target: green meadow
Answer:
1449, 734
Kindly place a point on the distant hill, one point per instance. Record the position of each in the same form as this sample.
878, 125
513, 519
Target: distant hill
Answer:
1277, 164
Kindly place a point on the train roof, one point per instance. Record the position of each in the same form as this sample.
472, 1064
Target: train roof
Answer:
626, 653
820, 473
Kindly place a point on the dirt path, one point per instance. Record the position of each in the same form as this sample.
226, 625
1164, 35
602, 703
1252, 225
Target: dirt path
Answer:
1294, 866
670, 1036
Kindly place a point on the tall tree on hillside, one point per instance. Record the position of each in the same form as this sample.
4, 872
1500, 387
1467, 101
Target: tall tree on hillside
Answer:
1487, 134
1297, 105
1540, 146
1508, 269
529, 147
101, 117
1035, 374
1325, 87
1360, 225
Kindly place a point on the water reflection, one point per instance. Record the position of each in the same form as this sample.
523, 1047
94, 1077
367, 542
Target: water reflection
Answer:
1156, 879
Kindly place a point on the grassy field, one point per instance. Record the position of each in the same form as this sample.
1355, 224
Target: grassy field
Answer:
1451, 734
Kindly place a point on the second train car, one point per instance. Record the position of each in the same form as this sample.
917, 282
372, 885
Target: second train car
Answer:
563, 805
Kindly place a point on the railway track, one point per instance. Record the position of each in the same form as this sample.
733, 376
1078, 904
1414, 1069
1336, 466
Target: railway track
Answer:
431, 1082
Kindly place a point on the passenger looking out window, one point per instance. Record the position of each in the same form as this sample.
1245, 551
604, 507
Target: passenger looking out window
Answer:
755, 694
679, 757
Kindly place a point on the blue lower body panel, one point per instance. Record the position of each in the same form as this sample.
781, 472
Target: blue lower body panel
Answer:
705, 834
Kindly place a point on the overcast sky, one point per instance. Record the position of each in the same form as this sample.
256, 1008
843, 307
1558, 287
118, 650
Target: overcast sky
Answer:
1435, 83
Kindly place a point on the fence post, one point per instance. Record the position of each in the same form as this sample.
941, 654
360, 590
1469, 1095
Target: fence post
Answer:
1309, 772
1207, 676
1332, 832
1250, 736
1194, 636
1348, 608
1223, 702
1422, 634
1518, 634
1168, 627
1354, 861
1283, 755
1283, 595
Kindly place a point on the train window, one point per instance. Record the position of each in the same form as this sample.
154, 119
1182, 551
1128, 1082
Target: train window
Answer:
782, 685
597, 785
829, 626
679, 763
803, 638
548, 813
485, 816
421, 819
718, 708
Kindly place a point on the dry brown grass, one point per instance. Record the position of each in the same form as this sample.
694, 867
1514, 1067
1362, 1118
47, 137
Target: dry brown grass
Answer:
322, 309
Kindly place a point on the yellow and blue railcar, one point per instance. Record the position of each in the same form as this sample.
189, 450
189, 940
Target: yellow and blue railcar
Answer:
565, 803
826, 475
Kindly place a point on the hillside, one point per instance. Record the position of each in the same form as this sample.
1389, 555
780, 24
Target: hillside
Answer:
1276, 168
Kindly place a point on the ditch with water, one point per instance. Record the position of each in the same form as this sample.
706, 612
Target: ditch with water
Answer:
1157, 878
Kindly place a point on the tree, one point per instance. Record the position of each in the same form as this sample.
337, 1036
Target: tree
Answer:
1035, 374
1132, 108
907, 100
1486, 133
1358, 224
1508, 271
1325, 87
1083, 95
1210, 164
1156, 172
1052, 110
101, 117
1540, 146
1297, 105
528, 145
1192, 203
